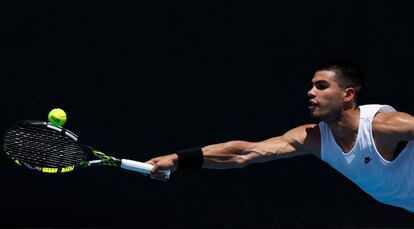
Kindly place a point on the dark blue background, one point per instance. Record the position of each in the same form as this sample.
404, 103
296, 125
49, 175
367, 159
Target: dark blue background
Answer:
143, 79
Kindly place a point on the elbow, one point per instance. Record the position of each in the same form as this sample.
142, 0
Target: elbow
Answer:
239, 154
248, 154
242, 161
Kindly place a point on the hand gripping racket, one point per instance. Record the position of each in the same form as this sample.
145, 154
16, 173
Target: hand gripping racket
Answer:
51, 149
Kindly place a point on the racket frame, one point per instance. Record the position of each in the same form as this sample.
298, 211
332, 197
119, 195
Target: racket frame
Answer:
103, 159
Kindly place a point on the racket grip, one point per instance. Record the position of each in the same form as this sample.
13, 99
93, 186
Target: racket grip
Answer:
140, 167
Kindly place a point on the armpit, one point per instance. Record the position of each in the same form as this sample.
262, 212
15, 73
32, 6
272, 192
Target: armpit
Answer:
313, 139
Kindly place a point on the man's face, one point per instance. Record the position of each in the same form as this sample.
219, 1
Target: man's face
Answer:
325, 96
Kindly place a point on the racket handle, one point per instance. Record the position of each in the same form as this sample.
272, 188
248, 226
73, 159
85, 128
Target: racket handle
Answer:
140, 167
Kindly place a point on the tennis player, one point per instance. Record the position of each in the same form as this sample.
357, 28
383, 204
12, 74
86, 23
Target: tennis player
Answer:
372, 145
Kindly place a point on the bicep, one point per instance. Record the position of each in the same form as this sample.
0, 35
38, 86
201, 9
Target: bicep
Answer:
398, 124
295, 142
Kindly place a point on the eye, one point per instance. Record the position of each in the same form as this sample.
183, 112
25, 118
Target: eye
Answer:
321, 85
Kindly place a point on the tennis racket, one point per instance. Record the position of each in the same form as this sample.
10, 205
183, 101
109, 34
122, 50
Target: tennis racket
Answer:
46, 148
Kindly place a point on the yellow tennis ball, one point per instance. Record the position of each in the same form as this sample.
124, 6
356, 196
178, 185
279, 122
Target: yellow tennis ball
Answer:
57, 117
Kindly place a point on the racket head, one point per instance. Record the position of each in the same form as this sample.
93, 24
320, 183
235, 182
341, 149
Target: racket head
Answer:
43, 147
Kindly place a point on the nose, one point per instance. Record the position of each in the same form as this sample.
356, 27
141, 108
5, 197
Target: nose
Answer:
311, 93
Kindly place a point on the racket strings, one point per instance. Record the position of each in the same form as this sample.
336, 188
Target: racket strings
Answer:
37, 140
37, 156
44, 156
42, 147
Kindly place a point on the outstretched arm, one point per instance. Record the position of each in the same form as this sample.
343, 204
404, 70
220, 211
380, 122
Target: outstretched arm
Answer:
236, 154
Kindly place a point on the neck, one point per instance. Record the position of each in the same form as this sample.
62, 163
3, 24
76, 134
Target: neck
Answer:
347, 125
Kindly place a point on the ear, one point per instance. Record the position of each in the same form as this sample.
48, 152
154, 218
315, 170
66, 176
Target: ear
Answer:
349, 94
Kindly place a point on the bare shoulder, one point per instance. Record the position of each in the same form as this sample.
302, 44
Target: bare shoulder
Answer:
398, 124
306, 137
392, 122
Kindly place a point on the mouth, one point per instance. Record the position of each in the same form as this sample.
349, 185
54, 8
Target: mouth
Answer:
312, 105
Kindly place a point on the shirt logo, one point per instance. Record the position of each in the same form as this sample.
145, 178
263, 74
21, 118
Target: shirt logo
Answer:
367, 160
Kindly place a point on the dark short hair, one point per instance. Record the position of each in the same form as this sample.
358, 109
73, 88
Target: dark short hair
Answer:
348, 73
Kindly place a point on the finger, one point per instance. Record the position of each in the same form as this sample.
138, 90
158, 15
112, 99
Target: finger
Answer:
155, 169
152, 161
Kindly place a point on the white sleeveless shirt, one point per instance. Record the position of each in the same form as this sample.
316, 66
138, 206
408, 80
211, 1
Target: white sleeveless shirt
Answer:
390, 182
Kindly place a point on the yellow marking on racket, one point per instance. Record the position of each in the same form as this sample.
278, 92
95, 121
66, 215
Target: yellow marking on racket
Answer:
49, 170
68, 169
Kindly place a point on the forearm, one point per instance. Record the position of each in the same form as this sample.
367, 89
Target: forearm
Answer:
232, 154
237, 154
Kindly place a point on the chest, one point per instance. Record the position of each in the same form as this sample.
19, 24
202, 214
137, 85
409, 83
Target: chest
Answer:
387, 147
